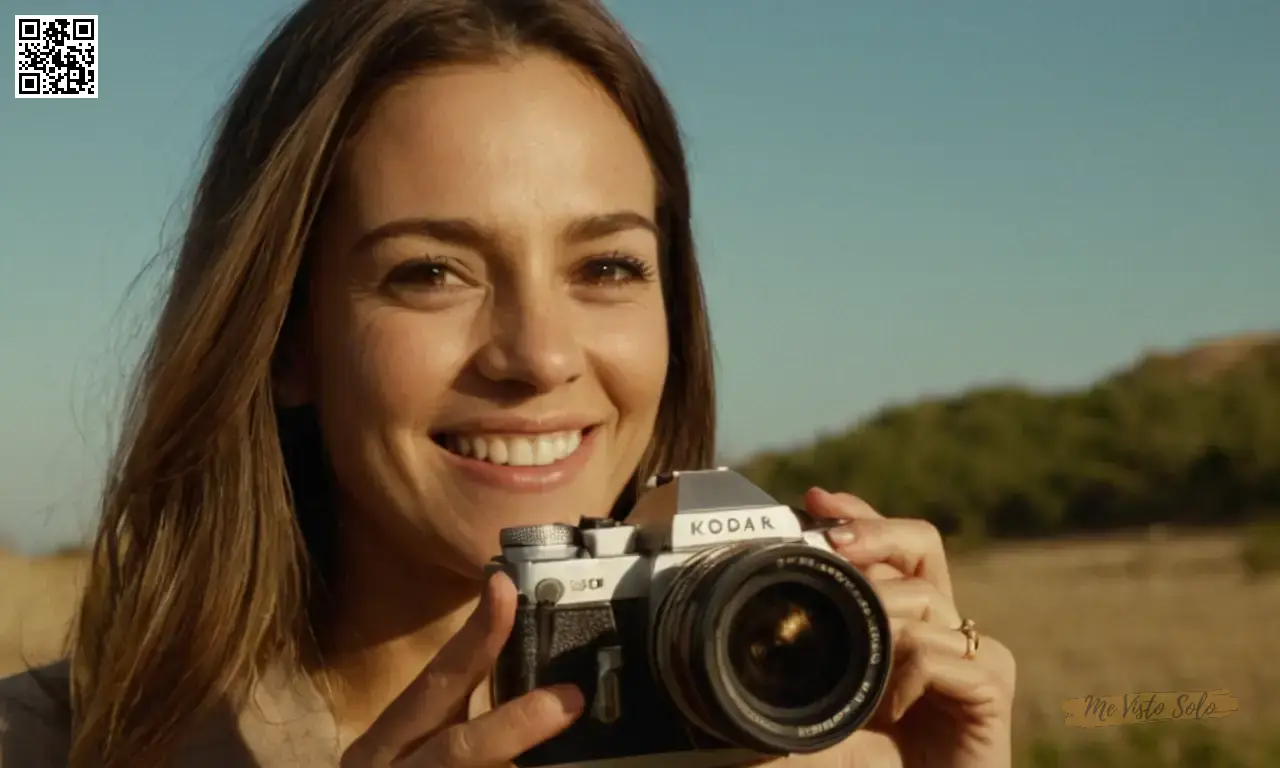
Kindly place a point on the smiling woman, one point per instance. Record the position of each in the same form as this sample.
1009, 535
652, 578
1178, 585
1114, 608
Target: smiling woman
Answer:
484, 275
438, 281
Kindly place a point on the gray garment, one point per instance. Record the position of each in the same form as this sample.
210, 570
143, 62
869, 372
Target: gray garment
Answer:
288, 726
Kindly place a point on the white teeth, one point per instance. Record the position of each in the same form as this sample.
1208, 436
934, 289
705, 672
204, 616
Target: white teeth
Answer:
544, 451
497, 451
517, 450
520, 452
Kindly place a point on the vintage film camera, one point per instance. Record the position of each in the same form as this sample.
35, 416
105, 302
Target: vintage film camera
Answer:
715, 626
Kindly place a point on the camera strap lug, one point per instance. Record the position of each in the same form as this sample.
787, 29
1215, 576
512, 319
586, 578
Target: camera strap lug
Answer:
607, 706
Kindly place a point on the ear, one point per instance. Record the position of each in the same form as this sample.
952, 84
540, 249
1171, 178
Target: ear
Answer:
290, 371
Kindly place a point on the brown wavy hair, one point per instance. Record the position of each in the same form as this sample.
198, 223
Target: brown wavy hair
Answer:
212, 548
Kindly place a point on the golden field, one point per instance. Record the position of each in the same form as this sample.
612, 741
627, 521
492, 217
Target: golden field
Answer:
1110, 616
37, 597
1128, 615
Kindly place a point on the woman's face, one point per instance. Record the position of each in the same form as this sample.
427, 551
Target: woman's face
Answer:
488, 340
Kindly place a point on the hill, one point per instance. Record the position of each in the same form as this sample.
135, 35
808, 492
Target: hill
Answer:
1189, 437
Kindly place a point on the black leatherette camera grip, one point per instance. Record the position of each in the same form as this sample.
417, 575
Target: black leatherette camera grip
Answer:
574, 628
525, 634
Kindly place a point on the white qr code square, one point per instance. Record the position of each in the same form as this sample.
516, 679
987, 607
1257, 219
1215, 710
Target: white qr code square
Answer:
57, 57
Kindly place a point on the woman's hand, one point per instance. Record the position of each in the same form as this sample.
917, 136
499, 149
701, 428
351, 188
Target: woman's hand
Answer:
421, 728
941, 708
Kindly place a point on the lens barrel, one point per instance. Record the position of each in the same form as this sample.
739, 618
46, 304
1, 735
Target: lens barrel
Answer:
780, 648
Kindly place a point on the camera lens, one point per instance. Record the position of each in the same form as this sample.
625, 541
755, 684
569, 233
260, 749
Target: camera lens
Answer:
789, 646
779, 648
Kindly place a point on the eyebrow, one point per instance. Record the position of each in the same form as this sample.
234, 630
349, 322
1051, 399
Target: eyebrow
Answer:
471, 234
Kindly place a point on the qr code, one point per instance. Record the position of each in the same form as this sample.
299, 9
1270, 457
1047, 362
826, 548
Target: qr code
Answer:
57, 57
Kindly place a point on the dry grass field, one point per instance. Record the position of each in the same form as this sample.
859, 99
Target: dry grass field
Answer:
1120, 615
1129, 615
37, 597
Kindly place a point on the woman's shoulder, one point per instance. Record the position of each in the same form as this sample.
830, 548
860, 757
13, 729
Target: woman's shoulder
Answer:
287, 725
35, 718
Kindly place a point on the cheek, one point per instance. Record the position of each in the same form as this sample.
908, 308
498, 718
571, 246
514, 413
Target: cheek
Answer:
632, 354
388, 368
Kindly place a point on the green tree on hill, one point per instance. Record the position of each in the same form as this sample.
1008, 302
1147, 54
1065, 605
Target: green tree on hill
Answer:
1190, 439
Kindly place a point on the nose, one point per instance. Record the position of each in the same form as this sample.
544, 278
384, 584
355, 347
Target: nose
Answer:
533, 342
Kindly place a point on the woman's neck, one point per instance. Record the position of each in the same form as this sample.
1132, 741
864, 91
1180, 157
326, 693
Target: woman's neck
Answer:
390, 614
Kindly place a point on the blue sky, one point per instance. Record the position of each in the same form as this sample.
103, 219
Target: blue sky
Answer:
892, 199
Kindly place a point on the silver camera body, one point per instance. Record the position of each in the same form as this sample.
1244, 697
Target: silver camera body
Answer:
714, 626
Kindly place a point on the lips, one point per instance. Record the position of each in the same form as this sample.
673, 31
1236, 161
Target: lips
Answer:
523, 450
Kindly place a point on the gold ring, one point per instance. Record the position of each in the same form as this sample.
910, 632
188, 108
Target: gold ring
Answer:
968, 628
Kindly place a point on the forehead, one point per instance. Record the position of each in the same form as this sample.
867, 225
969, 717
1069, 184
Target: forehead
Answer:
534, 137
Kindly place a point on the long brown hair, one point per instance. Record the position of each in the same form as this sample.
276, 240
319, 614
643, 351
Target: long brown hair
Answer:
207, 559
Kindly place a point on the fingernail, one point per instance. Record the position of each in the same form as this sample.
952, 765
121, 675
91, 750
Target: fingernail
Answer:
490, 590
841, 535
820, 491
570, 699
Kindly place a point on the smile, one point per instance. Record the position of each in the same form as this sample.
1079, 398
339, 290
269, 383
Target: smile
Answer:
515, 450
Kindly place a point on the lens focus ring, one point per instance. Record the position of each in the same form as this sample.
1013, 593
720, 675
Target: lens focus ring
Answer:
739, 630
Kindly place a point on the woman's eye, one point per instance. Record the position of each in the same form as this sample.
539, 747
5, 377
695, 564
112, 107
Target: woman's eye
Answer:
424, 272
616, 269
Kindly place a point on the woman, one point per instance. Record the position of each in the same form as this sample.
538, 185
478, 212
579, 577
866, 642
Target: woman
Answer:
438, 280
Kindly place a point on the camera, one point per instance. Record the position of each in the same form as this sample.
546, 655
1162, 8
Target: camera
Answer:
714, 626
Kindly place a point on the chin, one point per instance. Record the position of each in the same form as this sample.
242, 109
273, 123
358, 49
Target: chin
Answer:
478, 538
487, 534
